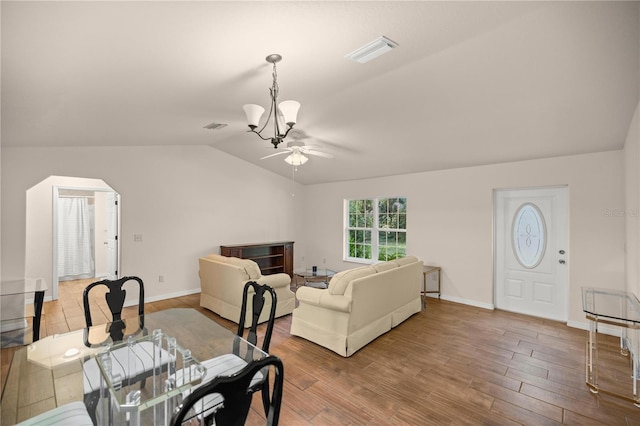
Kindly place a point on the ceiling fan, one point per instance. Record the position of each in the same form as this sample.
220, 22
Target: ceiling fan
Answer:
297, 151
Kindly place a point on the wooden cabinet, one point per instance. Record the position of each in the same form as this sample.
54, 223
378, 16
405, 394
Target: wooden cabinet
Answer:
272, 258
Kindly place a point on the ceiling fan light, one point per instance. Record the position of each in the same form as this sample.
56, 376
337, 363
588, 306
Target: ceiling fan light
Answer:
254, 113
296, 159
289, 111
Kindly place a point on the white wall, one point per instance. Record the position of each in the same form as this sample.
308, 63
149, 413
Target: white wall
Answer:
185, 201
450, 220
632, 208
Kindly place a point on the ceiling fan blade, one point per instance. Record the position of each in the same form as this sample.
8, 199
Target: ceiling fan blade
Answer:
277, 153
317, 153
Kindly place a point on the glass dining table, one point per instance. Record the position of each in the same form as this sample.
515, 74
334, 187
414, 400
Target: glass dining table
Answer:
53, 371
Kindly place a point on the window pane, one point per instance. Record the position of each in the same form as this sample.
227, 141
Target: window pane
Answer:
382, 205
402, 238
402, 221
367, 237
369, 221
402, 203
368, 204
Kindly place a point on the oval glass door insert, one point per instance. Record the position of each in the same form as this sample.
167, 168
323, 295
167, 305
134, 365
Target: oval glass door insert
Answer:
529, 235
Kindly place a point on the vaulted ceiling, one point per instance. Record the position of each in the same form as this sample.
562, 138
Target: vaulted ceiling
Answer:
470, 83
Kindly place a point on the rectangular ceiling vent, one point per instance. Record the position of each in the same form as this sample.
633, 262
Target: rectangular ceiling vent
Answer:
372, 50
215, 126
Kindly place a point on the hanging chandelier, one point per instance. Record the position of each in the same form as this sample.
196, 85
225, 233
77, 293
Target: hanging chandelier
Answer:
284, 115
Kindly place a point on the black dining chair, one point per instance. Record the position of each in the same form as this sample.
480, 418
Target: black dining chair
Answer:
257, 304
229, 364
226, 400
140, 363
115, 297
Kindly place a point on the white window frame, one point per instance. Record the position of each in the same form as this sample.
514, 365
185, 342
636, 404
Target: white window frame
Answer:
375, 230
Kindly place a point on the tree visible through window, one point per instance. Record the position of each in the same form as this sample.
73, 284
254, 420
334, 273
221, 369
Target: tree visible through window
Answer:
376, 229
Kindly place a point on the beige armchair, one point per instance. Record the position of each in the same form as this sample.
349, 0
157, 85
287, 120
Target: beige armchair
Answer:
222, 281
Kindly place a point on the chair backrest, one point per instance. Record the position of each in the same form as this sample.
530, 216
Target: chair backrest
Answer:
258, 303
115, 297
237, 395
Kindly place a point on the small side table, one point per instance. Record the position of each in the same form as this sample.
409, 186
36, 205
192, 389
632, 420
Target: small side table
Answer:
318, 278
426, 270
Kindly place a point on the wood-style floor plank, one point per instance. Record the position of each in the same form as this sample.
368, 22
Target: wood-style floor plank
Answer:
447, 365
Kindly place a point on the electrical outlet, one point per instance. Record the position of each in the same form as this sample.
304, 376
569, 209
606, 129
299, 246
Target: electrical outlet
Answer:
137, 238
160, 278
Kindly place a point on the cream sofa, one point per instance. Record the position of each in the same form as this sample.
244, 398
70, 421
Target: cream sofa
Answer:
222, 281
359, 305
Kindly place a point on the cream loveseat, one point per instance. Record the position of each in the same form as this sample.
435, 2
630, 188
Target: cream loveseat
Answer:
222, 281
359, 305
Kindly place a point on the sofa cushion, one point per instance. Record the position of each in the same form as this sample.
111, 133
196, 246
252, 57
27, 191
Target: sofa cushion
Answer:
385, 266
341, 280
406, 260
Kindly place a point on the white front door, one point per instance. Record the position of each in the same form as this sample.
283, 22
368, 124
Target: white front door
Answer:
531, 251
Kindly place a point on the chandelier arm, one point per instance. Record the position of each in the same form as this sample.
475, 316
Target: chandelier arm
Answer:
259, 135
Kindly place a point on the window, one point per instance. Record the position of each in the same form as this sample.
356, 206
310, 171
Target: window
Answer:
376, 229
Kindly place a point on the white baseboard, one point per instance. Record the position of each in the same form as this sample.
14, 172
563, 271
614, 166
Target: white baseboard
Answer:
166, 296
475, 303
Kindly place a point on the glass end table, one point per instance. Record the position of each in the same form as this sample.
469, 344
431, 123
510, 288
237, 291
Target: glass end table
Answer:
318, 277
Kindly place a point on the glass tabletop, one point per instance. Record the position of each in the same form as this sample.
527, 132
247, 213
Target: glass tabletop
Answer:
310, 273
611, 304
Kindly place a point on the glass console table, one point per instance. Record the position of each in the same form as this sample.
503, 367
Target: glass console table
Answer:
13, 308
607, 364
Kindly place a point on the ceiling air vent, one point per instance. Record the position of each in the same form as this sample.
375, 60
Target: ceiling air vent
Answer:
372, 50
215, 126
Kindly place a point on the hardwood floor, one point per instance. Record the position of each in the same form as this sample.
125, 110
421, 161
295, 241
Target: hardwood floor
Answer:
449, 364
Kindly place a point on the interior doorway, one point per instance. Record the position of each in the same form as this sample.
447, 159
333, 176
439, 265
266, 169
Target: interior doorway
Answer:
531, 251
85, 234
42, 254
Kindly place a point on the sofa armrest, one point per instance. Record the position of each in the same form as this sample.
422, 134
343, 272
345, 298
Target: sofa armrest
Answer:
275, 280
321, 297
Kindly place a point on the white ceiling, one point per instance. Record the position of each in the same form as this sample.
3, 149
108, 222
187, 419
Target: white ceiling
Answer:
471, 83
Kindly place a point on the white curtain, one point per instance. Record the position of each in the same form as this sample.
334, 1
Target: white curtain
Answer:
75, 238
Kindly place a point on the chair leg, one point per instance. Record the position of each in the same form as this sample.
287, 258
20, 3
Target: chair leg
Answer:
266, 399
91, 402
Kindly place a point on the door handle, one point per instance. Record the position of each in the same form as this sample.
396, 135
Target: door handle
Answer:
562, 262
